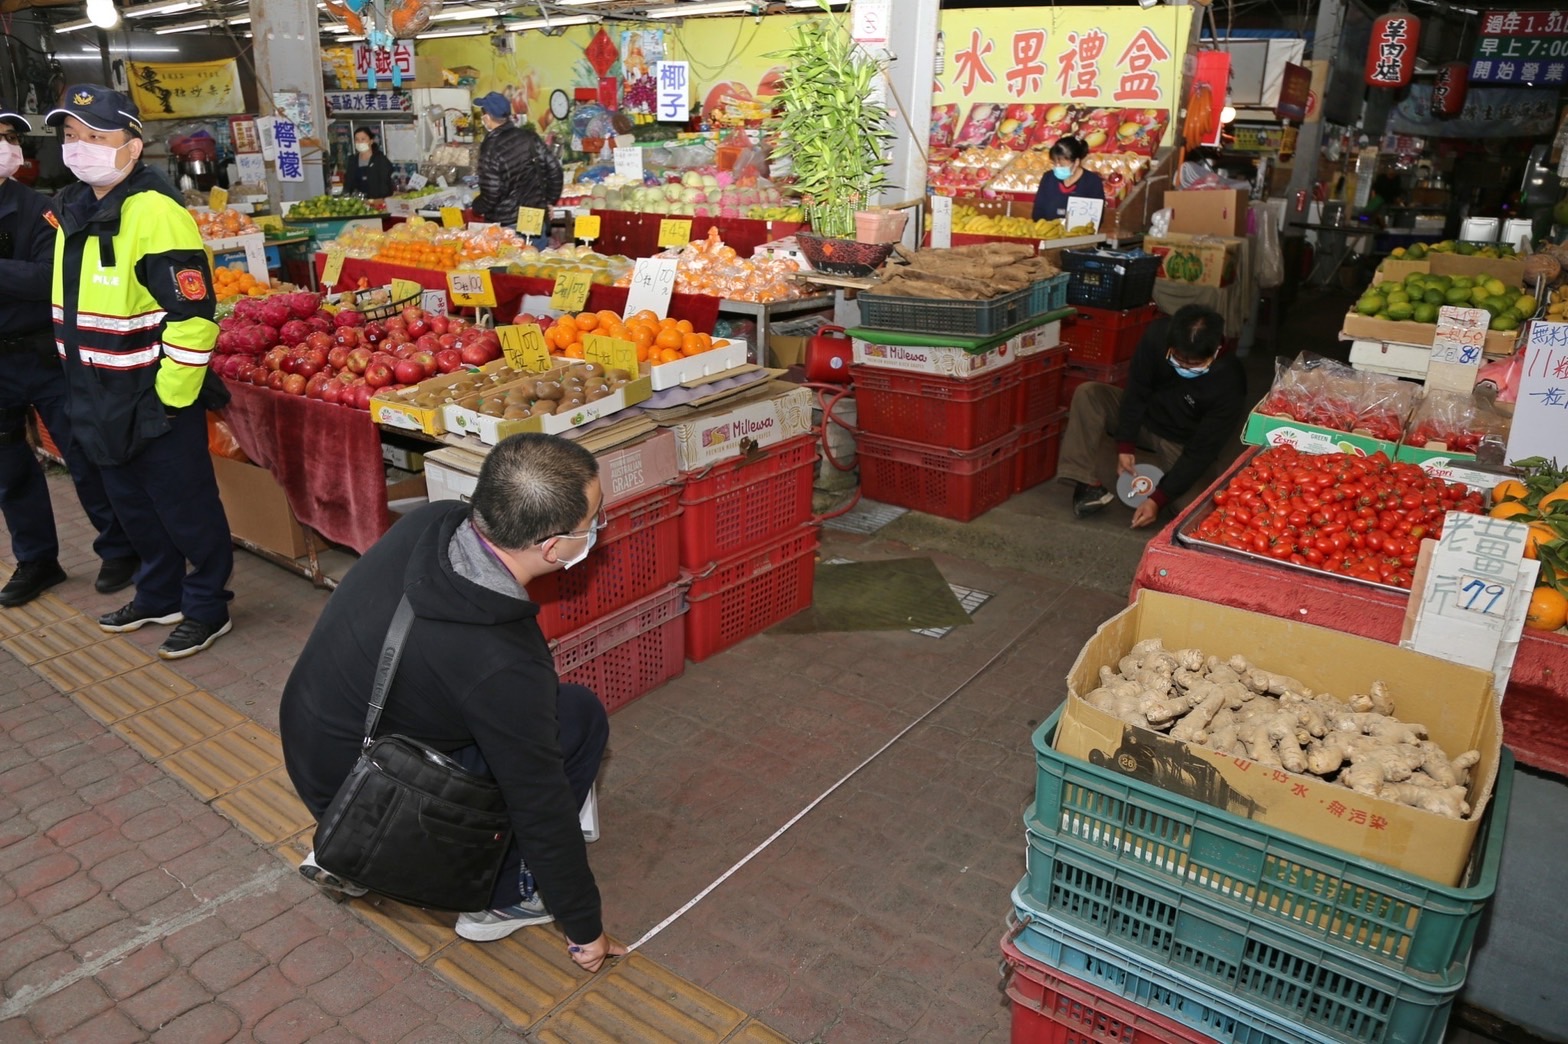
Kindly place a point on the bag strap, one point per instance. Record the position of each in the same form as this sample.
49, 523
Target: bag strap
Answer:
386, 666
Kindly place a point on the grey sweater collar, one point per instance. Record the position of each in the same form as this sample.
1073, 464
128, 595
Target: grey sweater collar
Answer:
473, 560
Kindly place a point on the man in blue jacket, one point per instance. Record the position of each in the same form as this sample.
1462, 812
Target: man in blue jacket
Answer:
34, 380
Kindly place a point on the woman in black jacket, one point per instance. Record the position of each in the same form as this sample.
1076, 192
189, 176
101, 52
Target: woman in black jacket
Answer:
370, 174
516, 168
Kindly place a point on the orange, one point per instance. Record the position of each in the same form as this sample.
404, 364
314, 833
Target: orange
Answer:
669, 338
1539, 533
1558, 495
608, 316
684, 326
670, 355
646, 315
1510, 509
691, 344
588, 321
1548, 610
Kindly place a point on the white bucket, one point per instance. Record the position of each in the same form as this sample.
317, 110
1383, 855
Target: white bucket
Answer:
1479, 230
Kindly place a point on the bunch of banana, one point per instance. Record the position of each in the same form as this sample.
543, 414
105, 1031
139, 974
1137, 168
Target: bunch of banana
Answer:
1557, 305
970, 221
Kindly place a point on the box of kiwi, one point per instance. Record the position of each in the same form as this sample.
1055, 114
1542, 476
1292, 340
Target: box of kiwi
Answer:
420, 408
568, 396
1402, 306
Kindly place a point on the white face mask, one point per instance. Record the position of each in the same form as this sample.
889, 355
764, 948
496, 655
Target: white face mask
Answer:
588, 542
362, 146
97, 165
10, 159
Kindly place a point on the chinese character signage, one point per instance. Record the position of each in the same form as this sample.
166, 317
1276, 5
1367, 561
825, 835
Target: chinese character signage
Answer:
1541, 414
396, 63
166, 90
674, 92
1488, 112
1295, 93
1450, 89
1524, 23
341, 102
291, 166
1522, 48
1391, 54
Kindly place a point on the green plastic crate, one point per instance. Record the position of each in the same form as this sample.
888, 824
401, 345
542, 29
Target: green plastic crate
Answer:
1358, 907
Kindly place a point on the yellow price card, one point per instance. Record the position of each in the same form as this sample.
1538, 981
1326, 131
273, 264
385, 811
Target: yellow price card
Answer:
586, 227
218, 198
471, 288
530, 221
571, 291
674, 232
451, 217
266, 221
403, 289
611, 352
524, 347
333, 270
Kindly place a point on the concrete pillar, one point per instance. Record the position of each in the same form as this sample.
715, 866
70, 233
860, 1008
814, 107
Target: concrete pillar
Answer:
288, 58
912, 46
1309, 142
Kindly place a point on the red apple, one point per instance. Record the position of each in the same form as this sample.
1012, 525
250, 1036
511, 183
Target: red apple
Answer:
358, 359
320, 339
349, 336
408, 371
275, 380
428, 343
404, 351
438, 324
332, 391
426, 361
306, 368
474, 355
448, 360
294, 384
316, 385
448, 340
378, 375
524, 318
337, 358
361, 397
375, 332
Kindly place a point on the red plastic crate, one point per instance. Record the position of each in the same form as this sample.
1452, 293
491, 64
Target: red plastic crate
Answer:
740, 503
938, 411
1039, 446
1040, 385
628, 653
1105, 337
1073, 376
637, 553
956, 484
1051, 1007
749, 592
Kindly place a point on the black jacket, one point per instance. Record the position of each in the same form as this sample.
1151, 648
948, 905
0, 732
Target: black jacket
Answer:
516, 169
372, 180
27, 234
1200, 412
1050, 199
475, 670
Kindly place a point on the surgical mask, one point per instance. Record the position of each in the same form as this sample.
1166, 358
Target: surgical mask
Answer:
1184, 371
1062, 173
97, 165
362, 146
10, 159
588, 542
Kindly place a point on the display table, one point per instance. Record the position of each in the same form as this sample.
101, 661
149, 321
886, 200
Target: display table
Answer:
637, 235
1535, 706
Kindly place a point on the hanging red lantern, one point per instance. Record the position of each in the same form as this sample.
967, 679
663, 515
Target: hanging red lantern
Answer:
1450, 90
1391, 56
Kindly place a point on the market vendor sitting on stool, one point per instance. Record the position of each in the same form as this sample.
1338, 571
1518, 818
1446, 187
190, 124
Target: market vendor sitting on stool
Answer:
1067, 179
1184, 398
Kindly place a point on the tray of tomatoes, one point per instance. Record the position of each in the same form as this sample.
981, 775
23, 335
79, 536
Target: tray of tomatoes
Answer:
1358, 518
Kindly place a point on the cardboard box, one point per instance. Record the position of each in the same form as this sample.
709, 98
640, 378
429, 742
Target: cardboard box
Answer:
1208, 212
1499, 343
402, 457
624, 472
464, 417
258, 511
787, 340
933, 359
1509, 269
726, 432
397, 409
1041, 339
1451, 466
1455, 703
710, 363
1199, 260
451, 473
1265, 430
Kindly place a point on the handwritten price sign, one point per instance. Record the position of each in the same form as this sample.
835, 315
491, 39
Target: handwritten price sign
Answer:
611, 352
524, 347
653, 281
674, 232
218, 198
586, 227
332, 271
404, 289
471, 289
451, 217
530, 221
1460, 336
571, 291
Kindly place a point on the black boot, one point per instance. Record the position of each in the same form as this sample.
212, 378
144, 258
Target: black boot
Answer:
116, 574
30, 580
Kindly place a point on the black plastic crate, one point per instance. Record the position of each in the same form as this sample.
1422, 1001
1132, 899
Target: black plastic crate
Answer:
1110, 278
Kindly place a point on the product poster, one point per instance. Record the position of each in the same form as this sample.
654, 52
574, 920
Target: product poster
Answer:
641, 52
169, 90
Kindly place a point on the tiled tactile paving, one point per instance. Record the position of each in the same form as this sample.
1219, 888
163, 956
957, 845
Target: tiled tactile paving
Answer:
40, 612
756, 1033
216, 766
523, 976
95, 663
422, 933
267, 808
173, 725
37, 644
639, 1000
131, 693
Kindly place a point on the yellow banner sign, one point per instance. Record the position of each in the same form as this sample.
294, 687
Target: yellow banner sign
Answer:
166, 90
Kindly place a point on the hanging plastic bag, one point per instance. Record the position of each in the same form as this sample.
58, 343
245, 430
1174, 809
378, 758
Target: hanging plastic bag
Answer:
1271, 258
221, 442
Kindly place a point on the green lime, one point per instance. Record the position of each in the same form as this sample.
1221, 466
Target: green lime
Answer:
1371, 304
1426, 312
1434, 297
1503, 322
1400, 311
1457, 296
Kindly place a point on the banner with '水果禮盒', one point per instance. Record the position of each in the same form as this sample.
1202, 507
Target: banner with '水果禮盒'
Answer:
168, 90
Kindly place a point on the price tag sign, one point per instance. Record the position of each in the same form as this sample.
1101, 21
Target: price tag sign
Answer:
1084, 212
612, 352
571, 292
256, 258
628, 163
218, 198
1542, 406
530, 221
403, 289
417, 182
451, 217
472, 288
333, 270
269, 221
524, 347
941, 222
674, 232
433, 301
1456, 348
586, 227
653, 281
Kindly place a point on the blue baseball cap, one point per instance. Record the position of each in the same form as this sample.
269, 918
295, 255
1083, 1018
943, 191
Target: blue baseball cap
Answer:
494, 105
14, 118
97, 106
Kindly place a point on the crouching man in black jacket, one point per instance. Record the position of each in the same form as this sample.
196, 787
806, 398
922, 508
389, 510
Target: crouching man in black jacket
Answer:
476, 680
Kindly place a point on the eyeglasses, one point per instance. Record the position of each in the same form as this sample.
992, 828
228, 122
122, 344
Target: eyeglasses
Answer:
10, 138
597, 526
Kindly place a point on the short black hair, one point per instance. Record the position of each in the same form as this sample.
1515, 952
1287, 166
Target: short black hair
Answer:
1070, 148
531, 487
367, 131
1196, 332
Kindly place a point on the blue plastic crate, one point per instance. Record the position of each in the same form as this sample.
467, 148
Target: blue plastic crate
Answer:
1048, 295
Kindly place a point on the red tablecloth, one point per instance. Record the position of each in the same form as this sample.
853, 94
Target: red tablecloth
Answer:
701, 311
1535, 705
327, 458
637, 235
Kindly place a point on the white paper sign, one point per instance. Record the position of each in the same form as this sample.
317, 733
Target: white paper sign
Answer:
1084, 212
628, 163
870, 22
941, 222
674, 102
256, 258
250, 168
441, 181
1541, 412
653, 281
291, 165
1461, 335
266, 129
433, 301
417, 182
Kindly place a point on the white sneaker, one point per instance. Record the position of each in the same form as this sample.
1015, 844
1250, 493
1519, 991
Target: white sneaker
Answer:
326, 880
490, 925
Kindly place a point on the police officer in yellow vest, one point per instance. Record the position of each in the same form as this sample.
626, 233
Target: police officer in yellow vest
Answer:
133, 321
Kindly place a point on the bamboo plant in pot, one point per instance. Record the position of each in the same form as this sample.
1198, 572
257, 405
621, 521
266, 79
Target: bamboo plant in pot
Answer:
834, 134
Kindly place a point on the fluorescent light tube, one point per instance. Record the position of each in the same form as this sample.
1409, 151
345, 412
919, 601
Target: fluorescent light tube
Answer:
725, 7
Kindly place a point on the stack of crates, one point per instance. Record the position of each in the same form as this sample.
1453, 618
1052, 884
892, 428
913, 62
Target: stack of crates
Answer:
1173, 920
1101, 343
747, 544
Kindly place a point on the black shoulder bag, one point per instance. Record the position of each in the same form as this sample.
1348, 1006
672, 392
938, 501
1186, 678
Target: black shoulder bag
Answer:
409, 822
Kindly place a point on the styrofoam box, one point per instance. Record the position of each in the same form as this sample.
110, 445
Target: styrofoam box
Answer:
710, 363
1041, 339
933, 359
451, 472
727, 432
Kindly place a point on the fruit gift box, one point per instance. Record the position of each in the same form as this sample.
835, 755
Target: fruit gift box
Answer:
1020, 126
